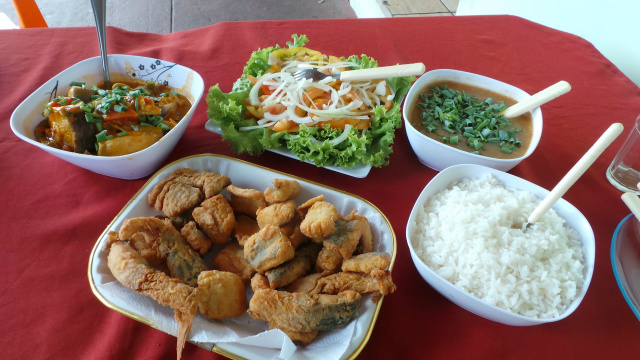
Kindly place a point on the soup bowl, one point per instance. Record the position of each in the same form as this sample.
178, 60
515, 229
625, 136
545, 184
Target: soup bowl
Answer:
438, 155
122, 68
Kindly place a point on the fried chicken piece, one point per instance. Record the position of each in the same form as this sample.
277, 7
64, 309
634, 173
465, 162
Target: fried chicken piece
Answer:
366, 239
231, 259
245, 227
320, 220
302, 313
208, 183
344, 239
367, 263
221, 294
284, 274
328, 261
133, 271
196, 238
277, 214
246, 201
378, 282
282, 190
163, 247
268, 248
293, 232
215, 217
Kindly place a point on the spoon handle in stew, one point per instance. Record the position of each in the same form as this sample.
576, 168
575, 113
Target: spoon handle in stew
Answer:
537, 99
100, 15
383, 72
576, 171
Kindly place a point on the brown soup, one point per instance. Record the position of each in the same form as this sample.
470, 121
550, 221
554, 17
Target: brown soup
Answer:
521, 126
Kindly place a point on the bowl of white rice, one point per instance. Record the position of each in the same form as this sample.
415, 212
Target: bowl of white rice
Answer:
466, 240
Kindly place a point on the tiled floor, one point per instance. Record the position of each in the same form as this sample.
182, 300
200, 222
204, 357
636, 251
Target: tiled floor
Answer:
164, 16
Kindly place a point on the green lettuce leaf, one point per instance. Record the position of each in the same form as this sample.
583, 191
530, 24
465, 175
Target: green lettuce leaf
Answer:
314, 144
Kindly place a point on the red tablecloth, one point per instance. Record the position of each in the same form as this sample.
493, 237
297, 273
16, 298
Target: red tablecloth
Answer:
53, 212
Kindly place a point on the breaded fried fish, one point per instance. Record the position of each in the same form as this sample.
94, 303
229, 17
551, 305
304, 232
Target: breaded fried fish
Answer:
276, 214
215, 217
344, 239
221, 294
282, 190
246, 201
268, 248
367, 263
320, 220
231, 259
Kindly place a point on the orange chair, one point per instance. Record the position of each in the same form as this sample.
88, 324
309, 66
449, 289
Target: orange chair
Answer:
29, 15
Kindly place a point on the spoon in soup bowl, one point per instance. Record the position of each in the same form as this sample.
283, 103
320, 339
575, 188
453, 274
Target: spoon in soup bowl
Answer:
537, 99
100, 15
574, 173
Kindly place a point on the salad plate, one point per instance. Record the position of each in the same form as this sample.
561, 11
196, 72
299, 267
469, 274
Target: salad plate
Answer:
358, 171
241, 337
625, 259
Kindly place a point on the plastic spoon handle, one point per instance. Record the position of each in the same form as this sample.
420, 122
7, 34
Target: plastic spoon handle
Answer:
633, 202
537, 99
384, 72
576, 171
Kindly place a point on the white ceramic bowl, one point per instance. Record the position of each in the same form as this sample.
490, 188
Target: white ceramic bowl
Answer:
573, 217
121, 68
438, 155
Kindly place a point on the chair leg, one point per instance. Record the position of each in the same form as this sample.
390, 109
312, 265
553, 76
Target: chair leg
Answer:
29, 15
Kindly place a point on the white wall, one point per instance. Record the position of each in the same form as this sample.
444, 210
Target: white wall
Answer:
612, 26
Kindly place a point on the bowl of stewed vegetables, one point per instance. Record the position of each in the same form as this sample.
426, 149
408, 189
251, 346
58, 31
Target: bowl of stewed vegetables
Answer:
454, 117
124, 128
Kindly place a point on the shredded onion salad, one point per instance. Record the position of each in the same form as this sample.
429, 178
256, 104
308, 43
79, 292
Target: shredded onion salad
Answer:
327, 122
281, 102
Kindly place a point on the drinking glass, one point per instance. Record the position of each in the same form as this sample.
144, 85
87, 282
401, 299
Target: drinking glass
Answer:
624, 171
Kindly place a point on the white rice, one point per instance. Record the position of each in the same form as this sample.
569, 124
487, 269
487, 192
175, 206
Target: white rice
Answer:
471, 235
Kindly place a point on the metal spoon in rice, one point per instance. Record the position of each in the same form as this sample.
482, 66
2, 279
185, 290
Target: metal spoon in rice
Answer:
576, 171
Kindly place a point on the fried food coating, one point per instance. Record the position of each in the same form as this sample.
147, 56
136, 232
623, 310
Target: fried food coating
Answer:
320, 220
344, 239
304, 208
304, 313
305, 284
231, 259
329, 261
367, 263
277, 214
378, 282
293, 232
282, 190
246, 201
245, 227
158, 241
221, 294
178, 191
284, 274
366, 239
215, 217
268, 248
196, 238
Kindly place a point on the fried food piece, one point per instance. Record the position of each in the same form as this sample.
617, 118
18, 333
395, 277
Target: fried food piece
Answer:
221, 294
245, 227
320, 220
293, 232
303, 313
133, 271
208, 183
268, 248
304, 208
160, 243
305, 284
231, 259
378, 282
246, 201
366, 239
277, 214
284, 274
282, 190
178, 197
344, 239
328, 261
367, 263
196, 238
215, 217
